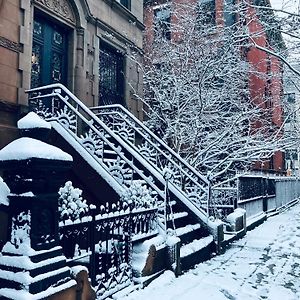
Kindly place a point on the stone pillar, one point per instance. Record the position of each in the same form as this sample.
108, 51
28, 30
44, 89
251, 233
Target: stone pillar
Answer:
32, 263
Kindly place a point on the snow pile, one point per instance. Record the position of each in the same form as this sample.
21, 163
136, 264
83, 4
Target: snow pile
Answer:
25, 148
77, 269
20, 235
195, 246
138, 195
71, 205
238, 212
236, 220
4, 191
32, 120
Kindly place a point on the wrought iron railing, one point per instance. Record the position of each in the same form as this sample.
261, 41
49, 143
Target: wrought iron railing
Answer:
103, 243
154, 150
130, 161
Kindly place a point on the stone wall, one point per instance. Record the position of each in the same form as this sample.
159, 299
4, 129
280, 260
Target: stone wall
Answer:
9, 76
86, 23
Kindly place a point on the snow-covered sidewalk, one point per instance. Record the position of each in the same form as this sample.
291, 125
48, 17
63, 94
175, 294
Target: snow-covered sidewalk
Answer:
265, 264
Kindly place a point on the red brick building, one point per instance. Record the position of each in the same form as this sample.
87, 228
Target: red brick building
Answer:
265, 84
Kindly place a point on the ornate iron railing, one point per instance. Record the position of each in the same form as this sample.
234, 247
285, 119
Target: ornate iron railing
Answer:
119, 157
103, 243
154, 150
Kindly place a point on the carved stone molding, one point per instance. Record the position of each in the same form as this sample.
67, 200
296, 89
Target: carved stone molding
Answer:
13, 46
61, 8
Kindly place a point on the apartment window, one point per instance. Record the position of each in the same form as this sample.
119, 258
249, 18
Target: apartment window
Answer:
229, 13
126, 3
111, 76
207, 12
162, 22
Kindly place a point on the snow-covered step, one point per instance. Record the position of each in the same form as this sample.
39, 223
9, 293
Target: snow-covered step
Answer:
144, 236
195, 246
187, 229
161, 207
179, 219
196, 252
189, 233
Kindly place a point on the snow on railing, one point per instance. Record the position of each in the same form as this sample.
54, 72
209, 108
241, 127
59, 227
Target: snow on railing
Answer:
56, 103
152, 148
104, 241
93, 137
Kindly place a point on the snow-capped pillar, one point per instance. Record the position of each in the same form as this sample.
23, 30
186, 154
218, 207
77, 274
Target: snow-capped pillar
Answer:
32, 264
216, 228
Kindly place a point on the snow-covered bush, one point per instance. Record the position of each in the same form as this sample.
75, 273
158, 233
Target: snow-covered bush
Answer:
71, 206
138, 195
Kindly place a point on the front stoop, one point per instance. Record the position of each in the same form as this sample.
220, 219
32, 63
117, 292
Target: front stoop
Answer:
36, 276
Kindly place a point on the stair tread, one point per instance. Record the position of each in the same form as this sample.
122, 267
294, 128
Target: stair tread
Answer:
195, 246
142, 236
186, 229
178, 215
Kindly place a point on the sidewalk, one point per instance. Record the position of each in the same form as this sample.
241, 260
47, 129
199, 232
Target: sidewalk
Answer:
265, 264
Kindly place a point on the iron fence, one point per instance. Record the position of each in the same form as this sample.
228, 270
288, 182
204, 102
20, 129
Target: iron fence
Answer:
103, 243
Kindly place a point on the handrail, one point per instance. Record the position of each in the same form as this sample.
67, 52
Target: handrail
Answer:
108, 143
148, 131
80, 113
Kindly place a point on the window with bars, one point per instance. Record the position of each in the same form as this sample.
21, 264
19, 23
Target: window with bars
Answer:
111, 76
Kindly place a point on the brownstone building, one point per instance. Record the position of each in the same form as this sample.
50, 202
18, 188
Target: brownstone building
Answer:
83, 44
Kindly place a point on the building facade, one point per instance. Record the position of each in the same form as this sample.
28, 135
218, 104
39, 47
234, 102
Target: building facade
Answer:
83, 44
292, 115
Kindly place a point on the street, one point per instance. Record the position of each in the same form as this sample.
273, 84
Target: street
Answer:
265, 264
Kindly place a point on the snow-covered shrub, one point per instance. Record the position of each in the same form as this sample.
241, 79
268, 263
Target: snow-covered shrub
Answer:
138, 195
71, 206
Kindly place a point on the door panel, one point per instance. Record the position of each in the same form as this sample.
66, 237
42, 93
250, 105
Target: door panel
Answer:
49, 54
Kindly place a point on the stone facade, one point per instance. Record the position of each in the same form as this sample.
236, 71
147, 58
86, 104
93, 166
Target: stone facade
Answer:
87, 24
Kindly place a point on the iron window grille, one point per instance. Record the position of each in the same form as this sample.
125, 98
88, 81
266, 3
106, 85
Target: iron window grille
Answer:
111, 76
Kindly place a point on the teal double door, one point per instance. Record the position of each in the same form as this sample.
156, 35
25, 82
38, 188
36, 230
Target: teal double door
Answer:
49, 53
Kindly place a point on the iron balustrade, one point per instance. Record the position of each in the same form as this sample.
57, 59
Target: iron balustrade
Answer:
103, 243
158, 154
56, 103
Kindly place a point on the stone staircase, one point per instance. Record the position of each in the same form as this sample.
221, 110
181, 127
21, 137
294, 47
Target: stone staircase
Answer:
196, 243
118, 150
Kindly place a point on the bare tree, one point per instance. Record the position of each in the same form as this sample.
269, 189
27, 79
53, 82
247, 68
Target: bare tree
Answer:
197, 93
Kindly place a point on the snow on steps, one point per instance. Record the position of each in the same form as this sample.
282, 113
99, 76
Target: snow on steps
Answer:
195, 246
25, 295
187, 229
196, 252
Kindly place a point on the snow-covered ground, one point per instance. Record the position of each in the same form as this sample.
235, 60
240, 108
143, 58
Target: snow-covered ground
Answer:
265, 264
